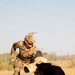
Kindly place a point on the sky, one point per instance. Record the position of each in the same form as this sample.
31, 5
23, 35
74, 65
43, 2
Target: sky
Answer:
52, 20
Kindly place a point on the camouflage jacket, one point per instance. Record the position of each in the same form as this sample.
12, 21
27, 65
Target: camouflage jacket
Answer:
24, 53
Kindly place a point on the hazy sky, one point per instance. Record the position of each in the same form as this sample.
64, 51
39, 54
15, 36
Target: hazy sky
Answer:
52, 20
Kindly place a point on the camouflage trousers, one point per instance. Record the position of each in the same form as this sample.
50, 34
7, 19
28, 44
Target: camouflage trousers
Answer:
18, 65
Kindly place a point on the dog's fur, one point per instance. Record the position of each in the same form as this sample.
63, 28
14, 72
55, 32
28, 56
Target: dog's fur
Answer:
48, 69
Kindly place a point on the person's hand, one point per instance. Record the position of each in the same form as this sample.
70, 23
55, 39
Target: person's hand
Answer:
12, 59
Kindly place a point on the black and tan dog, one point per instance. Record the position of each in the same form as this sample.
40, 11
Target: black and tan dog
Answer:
46, 69
40, 66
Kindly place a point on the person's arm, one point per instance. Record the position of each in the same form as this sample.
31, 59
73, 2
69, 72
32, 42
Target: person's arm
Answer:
37, 54
13, 50
38, 58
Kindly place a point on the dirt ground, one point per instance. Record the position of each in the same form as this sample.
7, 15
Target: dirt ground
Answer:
8, 72
68, 71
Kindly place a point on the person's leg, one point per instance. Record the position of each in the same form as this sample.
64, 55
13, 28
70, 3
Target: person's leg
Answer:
17, 66
16, 71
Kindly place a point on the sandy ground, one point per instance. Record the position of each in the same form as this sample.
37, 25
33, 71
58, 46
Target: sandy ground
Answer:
68, 71
8, 72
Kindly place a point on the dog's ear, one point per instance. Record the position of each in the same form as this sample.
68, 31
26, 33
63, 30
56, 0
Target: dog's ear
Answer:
41, 65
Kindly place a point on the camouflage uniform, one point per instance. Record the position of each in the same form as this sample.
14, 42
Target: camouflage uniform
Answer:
24, 56
28, 55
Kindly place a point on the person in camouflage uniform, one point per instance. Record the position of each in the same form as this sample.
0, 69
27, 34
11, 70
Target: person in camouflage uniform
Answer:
27, 53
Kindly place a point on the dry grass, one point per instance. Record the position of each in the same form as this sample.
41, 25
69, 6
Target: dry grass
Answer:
64, 64
69, 71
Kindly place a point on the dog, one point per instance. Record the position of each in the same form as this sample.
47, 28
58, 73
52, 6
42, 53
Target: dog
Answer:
46, 69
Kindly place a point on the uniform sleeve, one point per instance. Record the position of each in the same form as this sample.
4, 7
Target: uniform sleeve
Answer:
38, 54
14, 47
39, 57
35, 49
